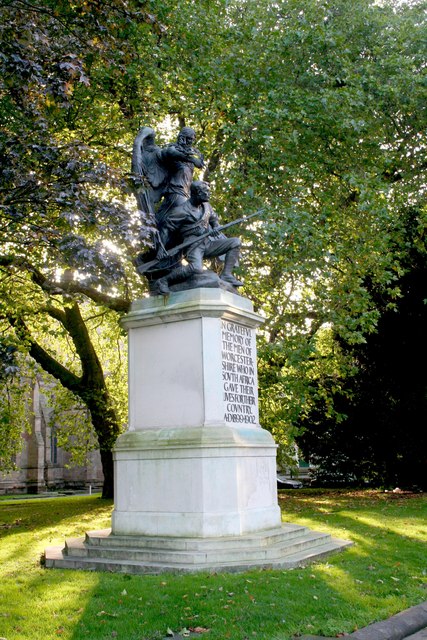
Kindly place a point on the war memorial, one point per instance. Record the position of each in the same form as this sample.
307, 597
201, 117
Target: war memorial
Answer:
195, 473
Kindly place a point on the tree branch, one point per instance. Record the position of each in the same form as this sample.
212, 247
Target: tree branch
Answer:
91, 366
115, 304
56, 314
68, 379
52, 288
215, 157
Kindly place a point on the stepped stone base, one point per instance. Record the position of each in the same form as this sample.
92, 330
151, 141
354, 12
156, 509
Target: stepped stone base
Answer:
284, 547
195, 474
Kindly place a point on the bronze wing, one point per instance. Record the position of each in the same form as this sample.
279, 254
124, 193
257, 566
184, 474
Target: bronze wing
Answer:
148, 173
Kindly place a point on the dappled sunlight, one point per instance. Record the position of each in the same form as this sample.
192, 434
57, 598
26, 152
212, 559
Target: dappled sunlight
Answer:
384, 529
58, 599
339, 578
378, 576
23, 537
21, 554
371, 588
367, 530
414, 528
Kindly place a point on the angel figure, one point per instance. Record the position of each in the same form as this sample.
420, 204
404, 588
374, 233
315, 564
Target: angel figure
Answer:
148, 173
164, 172
162, 179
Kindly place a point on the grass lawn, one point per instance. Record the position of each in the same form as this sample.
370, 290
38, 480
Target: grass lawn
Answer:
383, 573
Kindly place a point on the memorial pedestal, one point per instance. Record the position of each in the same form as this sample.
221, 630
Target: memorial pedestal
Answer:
195, 474
195, 461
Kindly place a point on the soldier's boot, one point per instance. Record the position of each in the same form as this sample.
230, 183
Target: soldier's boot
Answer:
176, 275
231, 259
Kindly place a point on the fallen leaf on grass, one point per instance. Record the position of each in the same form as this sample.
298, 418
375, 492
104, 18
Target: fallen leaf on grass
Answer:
185, 633
17, 523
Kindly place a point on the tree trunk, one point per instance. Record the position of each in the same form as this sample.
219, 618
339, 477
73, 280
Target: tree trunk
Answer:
107, 429
108, 470
90, 387
93, 391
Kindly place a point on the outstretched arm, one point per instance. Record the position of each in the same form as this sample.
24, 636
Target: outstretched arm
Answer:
172, 152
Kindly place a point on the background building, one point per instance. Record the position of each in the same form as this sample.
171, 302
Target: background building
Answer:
44, 466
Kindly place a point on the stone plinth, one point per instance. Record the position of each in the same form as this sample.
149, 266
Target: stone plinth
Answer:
195, 474
195, 461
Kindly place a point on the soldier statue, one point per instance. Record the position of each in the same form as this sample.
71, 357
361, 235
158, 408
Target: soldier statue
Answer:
180, 208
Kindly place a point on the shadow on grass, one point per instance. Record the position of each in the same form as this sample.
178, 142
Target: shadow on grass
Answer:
26, 528
379, 576
30, 513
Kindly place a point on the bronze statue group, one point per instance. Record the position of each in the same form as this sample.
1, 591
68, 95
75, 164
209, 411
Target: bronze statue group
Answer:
187, 227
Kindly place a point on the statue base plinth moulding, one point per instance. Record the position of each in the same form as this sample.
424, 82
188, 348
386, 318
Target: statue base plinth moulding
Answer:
195, 474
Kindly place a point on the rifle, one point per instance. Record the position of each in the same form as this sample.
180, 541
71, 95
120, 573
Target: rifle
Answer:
146, 266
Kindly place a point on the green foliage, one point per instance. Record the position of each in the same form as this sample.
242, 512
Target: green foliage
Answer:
66, 233
14, 421
311, 109
69, 414
289, 385
327, 131
62, 194
15, 403
375, 431
71, 422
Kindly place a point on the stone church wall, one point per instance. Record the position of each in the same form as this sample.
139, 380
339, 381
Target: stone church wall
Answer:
42, 466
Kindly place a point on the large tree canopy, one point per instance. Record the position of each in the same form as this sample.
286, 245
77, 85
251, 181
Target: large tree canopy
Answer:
313, 109
376, 433
64, 227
